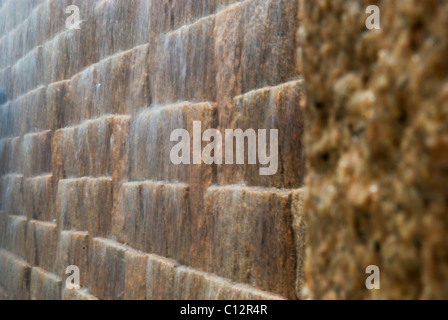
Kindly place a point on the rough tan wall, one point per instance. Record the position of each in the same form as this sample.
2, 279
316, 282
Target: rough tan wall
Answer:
376, 142
84, 150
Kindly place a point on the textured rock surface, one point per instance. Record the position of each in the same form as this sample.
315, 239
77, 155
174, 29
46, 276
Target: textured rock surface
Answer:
376, 142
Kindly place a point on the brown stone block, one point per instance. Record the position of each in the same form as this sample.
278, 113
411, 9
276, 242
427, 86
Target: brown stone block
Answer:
56, 56
183, 66
99, 198
55, 10
71, 204
107, 269
127, 218
150, 144
150, 150
256, 226
73, 250
63, 142
154, 217
85, 204
121, 25
12, 194
166, 228
86, 150
31, 109
159, 18
111, 97
15, 275
160, 278
36, 153
139, 93
41, 244
252, 53
10, 155
14, 240
271, 108
81, 48
94, 136
120, 151
28, 73
83, 90
135, 281
44, 285
55, 114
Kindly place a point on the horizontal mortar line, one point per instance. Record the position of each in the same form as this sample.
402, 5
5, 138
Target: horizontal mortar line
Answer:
207, 275
13, 256
156, 182
16, 217
28, 54
47, 273
13, 175
4, 139
254, 91
173, 105
43, 223
30, 134
85, 178
74, 232
22, 96
187, 26
41, 176
256, 189
99, 118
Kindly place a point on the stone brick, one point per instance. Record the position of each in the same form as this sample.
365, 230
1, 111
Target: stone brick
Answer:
272, 108
41, 244
39, 195
15, 276
107, 262
12, 193
135, 279
73, 250
176, 75
251, 239
44, 285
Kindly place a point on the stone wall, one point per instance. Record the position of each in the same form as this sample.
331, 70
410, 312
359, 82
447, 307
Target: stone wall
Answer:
86, 178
